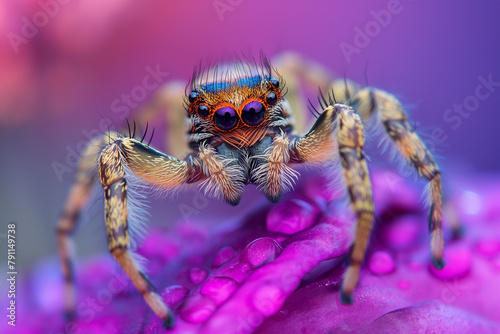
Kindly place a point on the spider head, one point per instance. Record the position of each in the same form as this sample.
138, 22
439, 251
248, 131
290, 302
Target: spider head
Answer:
238, 111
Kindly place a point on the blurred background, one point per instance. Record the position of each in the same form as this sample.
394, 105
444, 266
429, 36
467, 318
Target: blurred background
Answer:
66, 65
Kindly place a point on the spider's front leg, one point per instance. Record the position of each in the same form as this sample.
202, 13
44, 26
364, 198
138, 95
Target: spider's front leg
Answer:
338, 133
116, 163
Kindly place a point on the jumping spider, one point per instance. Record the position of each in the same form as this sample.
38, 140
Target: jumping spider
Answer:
241, 131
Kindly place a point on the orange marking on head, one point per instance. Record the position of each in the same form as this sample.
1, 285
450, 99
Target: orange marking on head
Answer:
240, 132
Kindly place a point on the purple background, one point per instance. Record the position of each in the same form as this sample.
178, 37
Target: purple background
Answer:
62, 81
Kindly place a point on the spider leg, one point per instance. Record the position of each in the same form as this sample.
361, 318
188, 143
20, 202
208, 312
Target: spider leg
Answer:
389, 112
168, 102
273, 175
300, 73
77, 198
153, 167
224, 178
120, 161
338, 133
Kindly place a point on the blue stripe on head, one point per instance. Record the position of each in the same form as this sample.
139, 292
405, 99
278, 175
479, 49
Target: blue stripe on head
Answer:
250, 82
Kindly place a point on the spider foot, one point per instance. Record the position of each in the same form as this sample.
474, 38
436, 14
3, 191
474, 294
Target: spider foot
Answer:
438, 263
169, 322
345, 298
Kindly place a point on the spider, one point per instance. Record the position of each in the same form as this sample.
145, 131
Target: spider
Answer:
241, 131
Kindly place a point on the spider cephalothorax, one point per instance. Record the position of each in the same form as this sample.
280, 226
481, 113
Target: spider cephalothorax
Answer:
239, 111
241, 131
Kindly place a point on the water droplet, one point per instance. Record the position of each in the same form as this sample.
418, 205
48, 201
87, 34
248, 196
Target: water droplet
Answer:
222, 256
291, 216
174, 294
197, 309
381, 263
261, 251
197, 275
218, 288
268, 299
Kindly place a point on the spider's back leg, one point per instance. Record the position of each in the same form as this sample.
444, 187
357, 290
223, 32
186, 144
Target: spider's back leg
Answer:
77, 198
388, 111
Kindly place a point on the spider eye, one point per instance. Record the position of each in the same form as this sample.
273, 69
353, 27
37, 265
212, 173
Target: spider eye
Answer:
271, 98
203, 110
253, 113
225, 118
192, 96
275, 82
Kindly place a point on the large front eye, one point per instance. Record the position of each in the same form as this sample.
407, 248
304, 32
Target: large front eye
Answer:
253, 113
225, 118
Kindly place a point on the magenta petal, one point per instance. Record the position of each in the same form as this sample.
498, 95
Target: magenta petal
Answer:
488, 247
431, 317
246, 308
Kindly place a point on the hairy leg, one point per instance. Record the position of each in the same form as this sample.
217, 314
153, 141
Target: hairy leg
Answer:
225, 178
119, 158
300, 74
273, 175
338, 133
386, 109
168, 103
116, 161
77, 198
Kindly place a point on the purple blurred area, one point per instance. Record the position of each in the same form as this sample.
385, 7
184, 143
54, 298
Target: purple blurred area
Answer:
62, 80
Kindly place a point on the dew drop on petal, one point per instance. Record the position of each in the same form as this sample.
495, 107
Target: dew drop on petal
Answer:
197, 309
291, 216
261, 251
268, 299
218, 288
174, 294
197, 275
222, 256
381, 263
